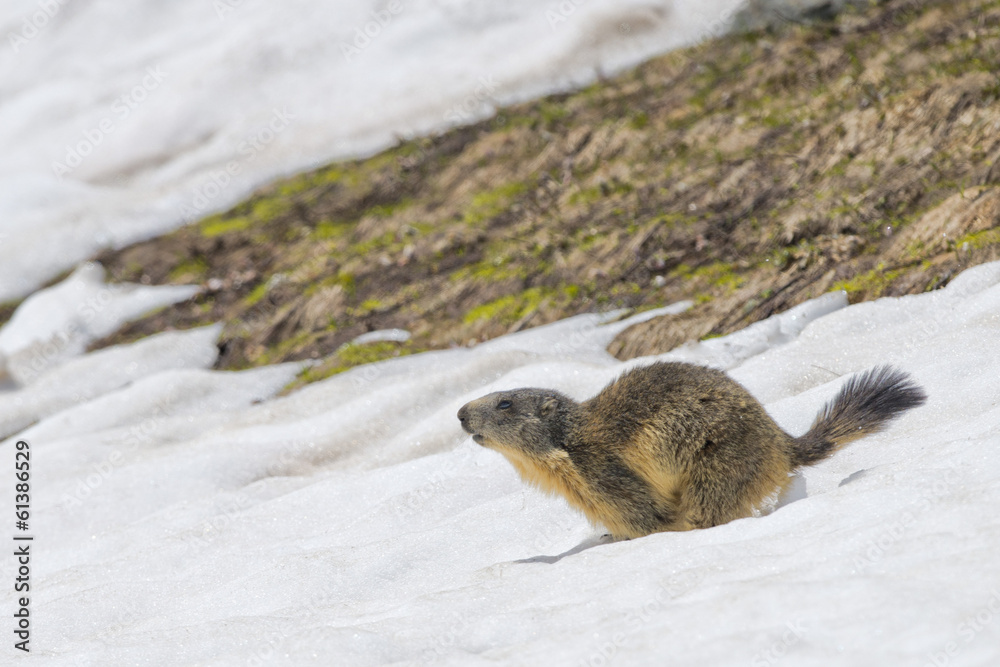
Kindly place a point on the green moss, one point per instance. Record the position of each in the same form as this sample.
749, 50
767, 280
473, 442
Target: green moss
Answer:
978, 240
510, 308
192, 269
269, 208
718, 274
676, 220
871, 283
682, 271
217, 226
595, 193
489, 271
345, 280
350, 356
840, 168
258, 293
133, 271
775, 119
388, 210
514, 121
321, 177
367, 307
587, 239
414, 147
639, 121
384, 241
915, 249
551, 113
286, 347
491, 203
331, 229
353, 354
625, 289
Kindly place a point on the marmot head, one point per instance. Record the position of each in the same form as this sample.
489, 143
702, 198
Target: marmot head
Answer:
533, 421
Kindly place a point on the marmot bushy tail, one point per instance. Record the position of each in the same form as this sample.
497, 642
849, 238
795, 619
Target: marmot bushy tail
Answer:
672, 446
864, 405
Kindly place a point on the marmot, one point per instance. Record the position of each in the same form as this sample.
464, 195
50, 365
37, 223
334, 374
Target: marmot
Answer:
672, 446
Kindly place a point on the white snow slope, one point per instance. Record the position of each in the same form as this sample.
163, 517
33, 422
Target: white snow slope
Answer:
119, 123
189, 518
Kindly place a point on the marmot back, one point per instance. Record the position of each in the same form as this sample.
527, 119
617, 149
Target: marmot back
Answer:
672, 446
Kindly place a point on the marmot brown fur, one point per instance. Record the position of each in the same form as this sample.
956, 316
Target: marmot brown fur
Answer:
672, 446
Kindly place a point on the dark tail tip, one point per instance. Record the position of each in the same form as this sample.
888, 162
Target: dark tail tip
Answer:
874, 397
864, 405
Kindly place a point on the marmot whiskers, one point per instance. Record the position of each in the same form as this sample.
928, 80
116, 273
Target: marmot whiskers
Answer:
672, 446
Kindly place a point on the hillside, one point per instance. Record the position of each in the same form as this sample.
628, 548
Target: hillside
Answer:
748, 174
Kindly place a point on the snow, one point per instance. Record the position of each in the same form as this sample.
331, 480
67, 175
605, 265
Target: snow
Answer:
119, 125
195, 517
105, 370
727, 352
395, 335
188, 516
51, 326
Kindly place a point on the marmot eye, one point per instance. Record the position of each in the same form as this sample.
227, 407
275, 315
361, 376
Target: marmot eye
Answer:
503, 405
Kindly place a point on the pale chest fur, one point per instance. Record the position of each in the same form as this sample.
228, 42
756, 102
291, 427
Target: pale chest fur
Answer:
555, 473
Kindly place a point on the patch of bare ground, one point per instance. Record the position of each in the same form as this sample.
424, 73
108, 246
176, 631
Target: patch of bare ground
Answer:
748, 174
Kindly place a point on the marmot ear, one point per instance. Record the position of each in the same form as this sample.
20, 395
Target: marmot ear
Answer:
549, 405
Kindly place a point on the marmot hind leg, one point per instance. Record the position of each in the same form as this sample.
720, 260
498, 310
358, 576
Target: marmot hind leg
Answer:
719, 493
708, 505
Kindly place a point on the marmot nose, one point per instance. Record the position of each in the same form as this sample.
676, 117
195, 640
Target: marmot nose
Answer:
463, 414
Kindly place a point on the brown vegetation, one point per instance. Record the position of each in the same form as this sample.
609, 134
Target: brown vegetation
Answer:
748, 173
